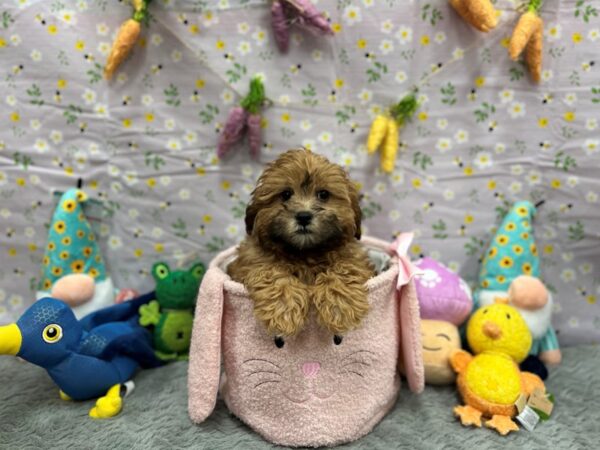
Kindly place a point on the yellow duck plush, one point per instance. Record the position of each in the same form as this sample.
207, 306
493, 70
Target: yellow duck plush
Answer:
489, 381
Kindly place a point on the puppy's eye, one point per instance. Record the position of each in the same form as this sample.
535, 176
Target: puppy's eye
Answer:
337, 340
279, 342
286, 195
323, 194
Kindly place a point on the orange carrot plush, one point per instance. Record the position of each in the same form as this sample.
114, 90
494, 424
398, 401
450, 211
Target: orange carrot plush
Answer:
528, 36
481, 14
126, 37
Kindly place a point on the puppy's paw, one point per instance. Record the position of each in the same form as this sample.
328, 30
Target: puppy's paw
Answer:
282, 306
340, 306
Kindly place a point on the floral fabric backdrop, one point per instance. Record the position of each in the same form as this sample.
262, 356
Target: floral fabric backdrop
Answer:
144, 144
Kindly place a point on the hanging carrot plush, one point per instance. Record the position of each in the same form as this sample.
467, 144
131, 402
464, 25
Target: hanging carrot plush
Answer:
127, 37
245, 118
479, 13
528, 36
384, 132
303, 12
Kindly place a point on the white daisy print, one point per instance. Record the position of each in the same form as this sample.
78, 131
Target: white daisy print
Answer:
440, 37
365, 96
404, 34
444, 145
506, 95
591, 124
387, 26
570, 98
483, 160
243, 28
325, 137
386, 46
553, 32
458, 54
102, 29
516, 110
591, 146
227, 96
41, 145
534, 177
89, 96
594, 34
244, 47
400, 77
461, 136
352, 15
591, 197
442, 124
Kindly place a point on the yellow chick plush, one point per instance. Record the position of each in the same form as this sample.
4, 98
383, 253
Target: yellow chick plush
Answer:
490, 381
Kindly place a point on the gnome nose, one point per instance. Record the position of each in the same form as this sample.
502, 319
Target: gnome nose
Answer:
491, 330
310, 369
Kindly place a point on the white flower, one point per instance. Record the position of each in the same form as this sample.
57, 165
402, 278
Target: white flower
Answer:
442, 124
506, 95
591, 124
365, 96
368, 3
461, 136
572, 181
133, 213
89, 97
259, 36
515, 187
115, 242
82, 5
379, 188
567, 256
113, 170
3, 178
483, 160
101, 110
458, 53
170, 124
41, 145
156, 232
243, 27
305, 125
499, 148
156, 39
429, 278
394, 215
591, 146
190, 137
516, 109
209, 18
35, 124
29, 232
130, 177
165, 180
553, 32
440, 37
449, 194
15, 301
176, 56
227, 96
244, 47
352, 15
401, 76
102, 29
232, 230
174, 144
68, 16
116, 187
11, 100
36, 55
534, 177
309, 144
387, 26
593, 34
397, 178
516, 169
568, 275
104, 48
386, 46
5, 213
570, 98
444, 145
325, 137
284, 100
317, 55
590, 197
547, 75
404, 34
147, 100
184, 194
15, 39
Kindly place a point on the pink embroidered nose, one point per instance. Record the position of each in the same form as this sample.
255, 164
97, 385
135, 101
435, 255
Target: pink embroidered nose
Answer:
311, 368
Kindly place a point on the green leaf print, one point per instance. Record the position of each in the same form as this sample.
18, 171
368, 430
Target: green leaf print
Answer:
22, 160
431, 13
596, 95
474, 246
180, 228
564, 161
483, 113
154, 161
575, 79
345, 114
375, 74
7, 19
238, 210
448, 94
585, 11
556, 52
370, 209
172, 95
35, 93
62, 58
208, 114
310, 95
516, 73
71, 113
95, 74
422, 160
215, 245
576, 231
439, 229
234, 75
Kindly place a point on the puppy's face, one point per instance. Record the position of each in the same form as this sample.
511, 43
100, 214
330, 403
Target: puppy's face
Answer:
303, 202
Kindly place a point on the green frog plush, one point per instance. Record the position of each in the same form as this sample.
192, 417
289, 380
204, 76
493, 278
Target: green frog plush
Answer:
172, 313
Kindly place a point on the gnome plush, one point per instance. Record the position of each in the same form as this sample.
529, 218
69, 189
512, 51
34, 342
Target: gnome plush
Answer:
73, 269
510, 272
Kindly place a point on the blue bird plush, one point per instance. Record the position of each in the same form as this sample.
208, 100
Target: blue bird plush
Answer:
94, 357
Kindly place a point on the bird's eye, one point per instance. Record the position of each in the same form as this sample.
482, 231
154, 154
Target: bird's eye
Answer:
279, 342
507, 316
52, 333
337, 340
286, 195
323, 194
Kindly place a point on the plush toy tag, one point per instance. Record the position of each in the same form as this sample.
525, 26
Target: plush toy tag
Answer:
521, 403
541, 404
528, 418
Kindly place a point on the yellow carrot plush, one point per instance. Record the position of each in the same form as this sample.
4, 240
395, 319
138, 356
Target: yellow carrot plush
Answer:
385, 130
126, 38
528, 35
481, 14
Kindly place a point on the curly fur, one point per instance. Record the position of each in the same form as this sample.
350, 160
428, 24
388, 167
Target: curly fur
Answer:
288, 268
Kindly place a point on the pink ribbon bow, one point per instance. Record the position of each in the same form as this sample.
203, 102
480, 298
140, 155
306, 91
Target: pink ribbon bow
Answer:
406, 269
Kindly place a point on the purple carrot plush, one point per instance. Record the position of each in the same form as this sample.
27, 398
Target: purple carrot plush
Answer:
281, 26
233, 131
309, 14
253, 123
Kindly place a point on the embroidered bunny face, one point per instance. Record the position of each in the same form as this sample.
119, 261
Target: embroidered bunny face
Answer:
312, 389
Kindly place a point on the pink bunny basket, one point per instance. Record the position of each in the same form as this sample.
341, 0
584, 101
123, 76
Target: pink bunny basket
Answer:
313, 389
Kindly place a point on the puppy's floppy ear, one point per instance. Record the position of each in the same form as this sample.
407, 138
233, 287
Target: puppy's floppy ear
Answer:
251, 212
355, 204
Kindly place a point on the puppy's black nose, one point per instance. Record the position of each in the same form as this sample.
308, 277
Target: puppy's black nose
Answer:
303, 218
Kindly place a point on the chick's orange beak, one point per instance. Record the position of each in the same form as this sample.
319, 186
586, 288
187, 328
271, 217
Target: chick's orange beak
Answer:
492, 330
10, 339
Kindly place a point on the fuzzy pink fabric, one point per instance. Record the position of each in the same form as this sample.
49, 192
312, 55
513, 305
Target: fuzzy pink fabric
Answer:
312, 391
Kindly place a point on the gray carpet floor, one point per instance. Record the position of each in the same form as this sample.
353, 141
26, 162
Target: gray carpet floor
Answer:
155, 415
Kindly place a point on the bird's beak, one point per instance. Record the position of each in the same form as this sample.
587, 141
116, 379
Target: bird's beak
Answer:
492, 330
10, 339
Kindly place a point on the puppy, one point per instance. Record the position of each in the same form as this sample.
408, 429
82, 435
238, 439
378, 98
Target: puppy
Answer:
301, 249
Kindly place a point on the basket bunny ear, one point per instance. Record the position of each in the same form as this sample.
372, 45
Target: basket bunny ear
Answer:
205, 350
410, 337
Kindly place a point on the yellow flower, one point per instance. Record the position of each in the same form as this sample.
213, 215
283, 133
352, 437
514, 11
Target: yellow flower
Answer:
505, 42
517, 249
220, 44
491, 185
194, 29
80, 234
201, 171
416, 249
32, 247
12, 252
285, 117
506, 262
339, 83
225, 185
569, 116
526, 268
61, 83
47, 284
468, 171
51, 246
533, 249
52, 29
522, 211
469, 219
15, 116
149, 117
526, 225
555, 183
336, 27
159, 248
60, 226
591, 299
20, 181
500, 279
77, 266
151, 182
79, 45
93, 184
126, 123
548, 249
525, 236
138, 252
361, 43
64, 255
207, 218
87, 251
510, 226
45, 261
502, 239
543, 122
577, 38
93, 272
2, 42
422, 116
425, 40
66, 240
492, 252
69, 205
416, 183
200, 83
57, 271
485, 284
264, 122
479, 81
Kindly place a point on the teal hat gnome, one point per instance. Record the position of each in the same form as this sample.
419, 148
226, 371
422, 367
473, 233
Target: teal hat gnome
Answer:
73, 268
510, 273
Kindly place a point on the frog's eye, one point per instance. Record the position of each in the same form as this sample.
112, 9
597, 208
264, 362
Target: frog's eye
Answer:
197, 271
160, 271
52, 333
